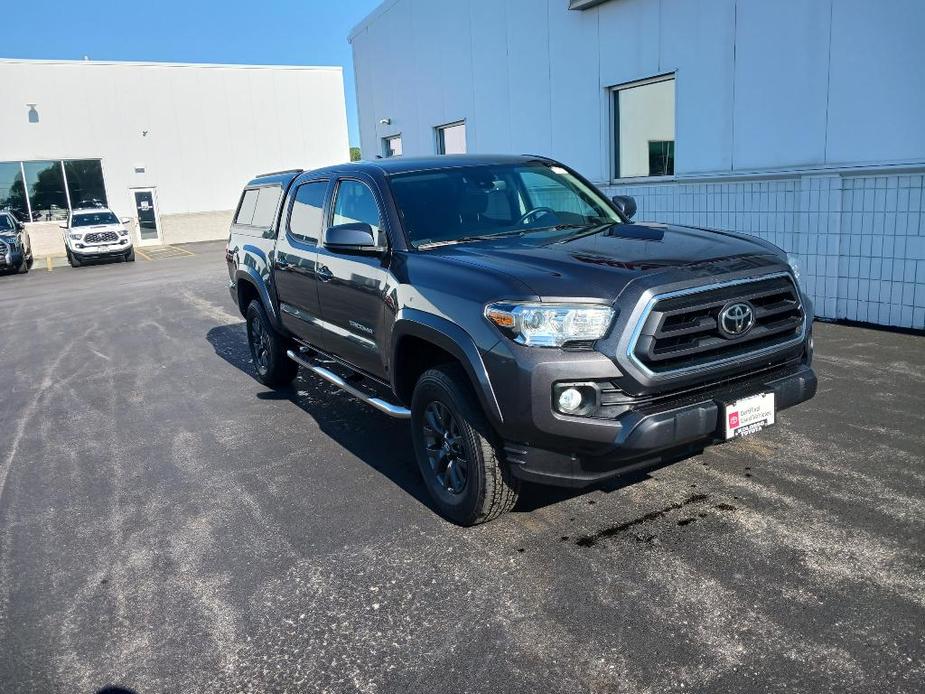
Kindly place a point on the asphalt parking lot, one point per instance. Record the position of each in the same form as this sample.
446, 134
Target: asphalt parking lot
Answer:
169, 525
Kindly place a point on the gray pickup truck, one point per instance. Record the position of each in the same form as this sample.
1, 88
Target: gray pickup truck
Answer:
524, 324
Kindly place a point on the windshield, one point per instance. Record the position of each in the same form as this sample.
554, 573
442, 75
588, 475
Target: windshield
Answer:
6, 224
89, 220
456, 204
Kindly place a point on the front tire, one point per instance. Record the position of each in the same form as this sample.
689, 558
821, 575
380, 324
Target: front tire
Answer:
268, 349
72, 259
453, 444
23, 266
130, 256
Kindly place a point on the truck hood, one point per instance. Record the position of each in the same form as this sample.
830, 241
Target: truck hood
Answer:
601, 261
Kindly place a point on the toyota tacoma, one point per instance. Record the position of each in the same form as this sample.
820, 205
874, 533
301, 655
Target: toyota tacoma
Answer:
527, 328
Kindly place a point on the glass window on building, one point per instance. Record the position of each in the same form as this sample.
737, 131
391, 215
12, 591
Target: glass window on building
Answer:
451, 138
391, 146
644, 128
85, 183
12, 190
45, 185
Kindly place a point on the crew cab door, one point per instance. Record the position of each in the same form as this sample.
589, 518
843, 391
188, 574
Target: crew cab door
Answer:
295, 261
351, 285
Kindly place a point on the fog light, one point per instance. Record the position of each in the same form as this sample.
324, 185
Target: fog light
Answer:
570, 400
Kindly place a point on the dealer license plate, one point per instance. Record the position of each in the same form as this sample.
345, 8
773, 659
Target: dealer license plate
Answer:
749, 415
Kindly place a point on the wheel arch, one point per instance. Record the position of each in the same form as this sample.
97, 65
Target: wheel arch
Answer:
248, 286
421, 340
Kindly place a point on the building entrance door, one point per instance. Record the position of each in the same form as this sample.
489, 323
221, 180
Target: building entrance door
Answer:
149, 223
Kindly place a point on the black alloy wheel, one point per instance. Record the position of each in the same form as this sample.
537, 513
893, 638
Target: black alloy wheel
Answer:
446, 451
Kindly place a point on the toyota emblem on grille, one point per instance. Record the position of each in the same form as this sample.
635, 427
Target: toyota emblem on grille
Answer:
736, 319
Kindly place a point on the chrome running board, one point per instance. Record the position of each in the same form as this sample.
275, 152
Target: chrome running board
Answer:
388, 408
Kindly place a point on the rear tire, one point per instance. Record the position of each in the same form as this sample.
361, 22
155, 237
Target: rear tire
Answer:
268, 349
455, 451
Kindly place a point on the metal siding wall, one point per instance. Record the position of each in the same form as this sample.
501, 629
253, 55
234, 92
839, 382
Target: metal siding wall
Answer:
860, 239
209, 128
760, 87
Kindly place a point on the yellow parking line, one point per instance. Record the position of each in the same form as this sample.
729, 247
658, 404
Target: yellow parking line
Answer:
184, 250
138, 252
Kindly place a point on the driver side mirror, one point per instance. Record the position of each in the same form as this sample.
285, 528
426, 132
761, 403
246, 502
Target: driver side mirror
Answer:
63, 225
125, 220
625, 204
356, 237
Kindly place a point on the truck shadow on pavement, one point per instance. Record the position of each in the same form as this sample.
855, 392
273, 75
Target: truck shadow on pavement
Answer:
379, 441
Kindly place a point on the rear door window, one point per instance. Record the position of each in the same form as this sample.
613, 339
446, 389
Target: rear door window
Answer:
307, 213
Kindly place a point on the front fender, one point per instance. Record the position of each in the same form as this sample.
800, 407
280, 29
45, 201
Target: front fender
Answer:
453, 339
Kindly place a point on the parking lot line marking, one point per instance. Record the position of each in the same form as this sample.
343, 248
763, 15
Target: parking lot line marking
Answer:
184, 250
138, 252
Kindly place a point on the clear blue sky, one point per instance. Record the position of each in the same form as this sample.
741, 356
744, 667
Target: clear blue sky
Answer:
275, 32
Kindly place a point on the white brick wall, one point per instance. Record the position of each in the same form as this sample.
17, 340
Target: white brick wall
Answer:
860, 238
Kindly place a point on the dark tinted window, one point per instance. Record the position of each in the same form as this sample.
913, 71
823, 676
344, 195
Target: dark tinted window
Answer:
307, 214
355, 202
246, 208
45, 184
451, 204
85, 183
265, 209
88, 220
12, 190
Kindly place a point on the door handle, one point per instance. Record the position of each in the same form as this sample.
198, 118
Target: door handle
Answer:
281, 265
324, 273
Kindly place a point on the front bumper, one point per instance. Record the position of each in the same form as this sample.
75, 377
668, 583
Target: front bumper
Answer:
11, 259
102, 251
657, 431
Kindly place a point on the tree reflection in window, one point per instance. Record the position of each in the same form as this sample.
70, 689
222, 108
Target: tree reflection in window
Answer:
45, 182
12, 190
85, 183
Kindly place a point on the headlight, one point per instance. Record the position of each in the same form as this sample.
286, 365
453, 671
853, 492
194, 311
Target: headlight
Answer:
75, 237
794, 263
123, 232
550, 325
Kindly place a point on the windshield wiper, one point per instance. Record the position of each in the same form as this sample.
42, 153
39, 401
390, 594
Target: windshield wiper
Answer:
473, 237
505, 234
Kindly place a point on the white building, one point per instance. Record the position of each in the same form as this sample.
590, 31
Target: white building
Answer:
168, 144
800, 121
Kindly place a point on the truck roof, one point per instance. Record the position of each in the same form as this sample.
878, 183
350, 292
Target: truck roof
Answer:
397, 165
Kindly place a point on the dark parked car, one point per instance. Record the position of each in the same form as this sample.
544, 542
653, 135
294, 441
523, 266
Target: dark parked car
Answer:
15, 245
528, 329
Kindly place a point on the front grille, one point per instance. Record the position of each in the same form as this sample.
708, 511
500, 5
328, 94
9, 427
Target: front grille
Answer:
101, 237
682, 329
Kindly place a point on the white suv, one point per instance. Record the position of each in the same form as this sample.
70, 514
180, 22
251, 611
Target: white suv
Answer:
96, 233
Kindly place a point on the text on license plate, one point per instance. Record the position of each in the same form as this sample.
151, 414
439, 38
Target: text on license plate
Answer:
748, 415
